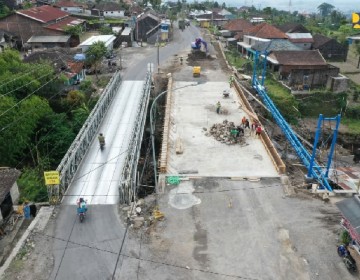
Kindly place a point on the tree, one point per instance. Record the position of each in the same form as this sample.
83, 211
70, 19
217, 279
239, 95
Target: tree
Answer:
325, 9
94, 55
18, 123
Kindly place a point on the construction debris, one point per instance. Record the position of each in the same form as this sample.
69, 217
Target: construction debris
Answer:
226, 132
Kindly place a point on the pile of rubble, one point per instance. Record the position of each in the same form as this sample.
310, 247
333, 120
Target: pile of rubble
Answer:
143, 212
222, 132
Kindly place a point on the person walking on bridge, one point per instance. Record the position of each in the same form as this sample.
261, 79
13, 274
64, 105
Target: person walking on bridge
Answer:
218, 107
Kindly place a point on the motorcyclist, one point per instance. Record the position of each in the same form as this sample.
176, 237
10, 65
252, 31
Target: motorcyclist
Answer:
101, 139
81, 203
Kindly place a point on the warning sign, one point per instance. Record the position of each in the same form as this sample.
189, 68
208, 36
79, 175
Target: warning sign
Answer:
52, 177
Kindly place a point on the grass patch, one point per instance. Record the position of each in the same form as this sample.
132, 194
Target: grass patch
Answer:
235, 59
103, 81
353, 125
276, 89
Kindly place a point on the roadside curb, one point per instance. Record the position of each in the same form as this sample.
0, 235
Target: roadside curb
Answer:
38, 223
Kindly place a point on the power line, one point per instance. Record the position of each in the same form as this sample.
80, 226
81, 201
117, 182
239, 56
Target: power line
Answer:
27, 73
2, 95
3, 113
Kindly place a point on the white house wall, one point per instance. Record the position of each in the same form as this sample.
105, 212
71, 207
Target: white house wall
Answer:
114, 14
72, 9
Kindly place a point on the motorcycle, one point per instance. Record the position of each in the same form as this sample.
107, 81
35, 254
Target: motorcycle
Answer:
81, 209
81, 216
347, 258
102, 146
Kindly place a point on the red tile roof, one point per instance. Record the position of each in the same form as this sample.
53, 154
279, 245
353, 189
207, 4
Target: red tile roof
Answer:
43, 14
75, 67
61, 25
266, 31
238, 25
299, 58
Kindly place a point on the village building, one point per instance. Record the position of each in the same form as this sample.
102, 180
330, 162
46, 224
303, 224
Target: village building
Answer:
9, 191
39, 21
108, 40
71, 7
330, 48
302, 69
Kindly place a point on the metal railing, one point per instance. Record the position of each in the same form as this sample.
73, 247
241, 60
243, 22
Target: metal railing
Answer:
128, 182
79, 147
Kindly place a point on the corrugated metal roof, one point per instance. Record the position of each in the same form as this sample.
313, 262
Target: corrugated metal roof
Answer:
66, 22
43, 14
107, 39
350, 208
299, 35
126, 31
276, 45
49, 39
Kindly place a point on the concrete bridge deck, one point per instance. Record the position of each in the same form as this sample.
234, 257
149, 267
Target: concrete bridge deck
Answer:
193, 110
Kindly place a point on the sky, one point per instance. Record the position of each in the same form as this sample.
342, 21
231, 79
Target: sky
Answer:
296, 5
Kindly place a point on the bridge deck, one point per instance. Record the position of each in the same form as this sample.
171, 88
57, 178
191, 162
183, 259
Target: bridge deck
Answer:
193, 110
98, 176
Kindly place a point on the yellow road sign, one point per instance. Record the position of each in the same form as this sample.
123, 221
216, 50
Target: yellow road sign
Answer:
52, 177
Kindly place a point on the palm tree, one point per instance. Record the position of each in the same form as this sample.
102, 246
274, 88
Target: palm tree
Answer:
325, 9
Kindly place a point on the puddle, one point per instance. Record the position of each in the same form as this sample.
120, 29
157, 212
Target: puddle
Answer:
182, 196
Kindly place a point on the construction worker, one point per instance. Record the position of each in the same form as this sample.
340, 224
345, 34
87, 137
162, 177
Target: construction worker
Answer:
258, 131
231, 80
218, 107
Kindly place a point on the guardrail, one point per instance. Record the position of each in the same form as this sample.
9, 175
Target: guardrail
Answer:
79, 147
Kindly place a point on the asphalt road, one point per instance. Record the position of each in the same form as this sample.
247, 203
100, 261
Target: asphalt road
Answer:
95, 249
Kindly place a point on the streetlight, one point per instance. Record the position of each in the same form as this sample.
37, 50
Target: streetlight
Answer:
152, 127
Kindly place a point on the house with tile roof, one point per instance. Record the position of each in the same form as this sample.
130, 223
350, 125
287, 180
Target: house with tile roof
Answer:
71, 6
304, 67
108, 9
330, 48
291, 27
146, 22
236, 28
40, 21
261, 33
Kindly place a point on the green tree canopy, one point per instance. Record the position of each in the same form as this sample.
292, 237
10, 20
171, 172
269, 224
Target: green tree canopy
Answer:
325, 9
94, 55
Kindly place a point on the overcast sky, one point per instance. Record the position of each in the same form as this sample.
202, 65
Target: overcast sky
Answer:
296, 5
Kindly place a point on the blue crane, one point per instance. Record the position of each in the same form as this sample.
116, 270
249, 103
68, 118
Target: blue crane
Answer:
314, 170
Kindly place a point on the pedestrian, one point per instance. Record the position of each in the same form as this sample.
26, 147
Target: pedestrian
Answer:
243, 121
218, 107
240, 131
247, 124
26, 210
231, 80
258, 131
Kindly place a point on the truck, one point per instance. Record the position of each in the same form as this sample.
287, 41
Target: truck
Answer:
182, 24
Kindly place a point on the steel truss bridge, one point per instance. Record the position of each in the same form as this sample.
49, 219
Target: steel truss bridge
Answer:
108, 176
